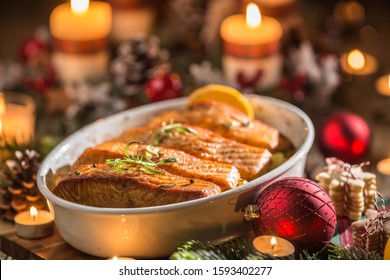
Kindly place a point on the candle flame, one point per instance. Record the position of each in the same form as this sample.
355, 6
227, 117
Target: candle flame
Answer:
33, 213
356, 59
79, 6
253, 16
273, 242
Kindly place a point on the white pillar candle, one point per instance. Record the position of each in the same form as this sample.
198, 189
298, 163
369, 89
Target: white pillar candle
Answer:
80, 32
251, 49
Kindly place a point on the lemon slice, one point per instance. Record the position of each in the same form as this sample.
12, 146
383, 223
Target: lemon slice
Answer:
223, 94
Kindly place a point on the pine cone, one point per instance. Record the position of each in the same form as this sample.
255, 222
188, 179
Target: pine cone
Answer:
135, 60
18, 187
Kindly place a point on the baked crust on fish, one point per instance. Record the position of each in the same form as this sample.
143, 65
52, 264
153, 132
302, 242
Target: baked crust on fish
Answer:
226, 176
226, 121
250, 161
102, 186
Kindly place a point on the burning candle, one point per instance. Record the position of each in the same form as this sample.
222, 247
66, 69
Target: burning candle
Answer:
34, 223
251, 49
80, 32
382, 85
130, 18
358, 63
17, 119
273, 245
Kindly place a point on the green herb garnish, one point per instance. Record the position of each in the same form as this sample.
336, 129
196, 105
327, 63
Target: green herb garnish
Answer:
166, 130
140, 159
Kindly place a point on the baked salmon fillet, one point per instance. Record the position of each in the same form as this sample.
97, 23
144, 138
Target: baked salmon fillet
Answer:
226, 121
101, 185
250, 161
226, 176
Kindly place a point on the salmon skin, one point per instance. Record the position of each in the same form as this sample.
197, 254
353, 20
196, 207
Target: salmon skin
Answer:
100, 185
226, 121
250, 161
226, 176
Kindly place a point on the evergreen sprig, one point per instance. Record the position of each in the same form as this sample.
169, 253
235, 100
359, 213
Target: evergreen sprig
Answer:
141, 159
241, 249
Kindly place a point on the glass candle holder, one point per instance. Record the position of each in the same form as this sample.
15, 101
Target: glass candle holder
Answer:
17, 119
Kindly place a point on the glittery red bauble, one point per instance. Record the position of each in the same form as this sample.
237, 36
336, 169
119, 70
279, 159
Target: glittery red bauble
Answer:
345, 136
298, 210
162, 86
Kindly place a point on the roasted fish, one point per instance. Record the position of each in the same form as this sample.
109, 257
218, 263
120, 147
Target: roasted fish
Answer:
250, 161
226, 121
226, 176
101, 185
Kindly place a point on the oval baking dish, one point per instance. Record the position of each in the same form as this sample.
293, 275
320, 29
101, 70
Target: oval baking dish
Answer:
153, 232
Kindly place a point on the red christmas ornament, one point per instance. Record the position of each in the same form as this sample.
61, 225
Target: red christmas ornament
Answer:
298, 210
162, 86
39, 74
345, 136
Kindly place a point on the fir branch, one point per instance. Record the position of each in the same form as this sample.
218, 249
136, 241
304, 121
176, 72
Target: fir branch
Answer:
146, 163
167, 130
241, 249
352, 253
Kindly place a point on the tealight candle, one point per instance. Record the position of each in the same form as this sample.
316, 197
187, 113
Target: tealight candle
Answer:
273, 245
251, 49
17, 119
382, 85
358, 63
80, 32
130, 19
34, 223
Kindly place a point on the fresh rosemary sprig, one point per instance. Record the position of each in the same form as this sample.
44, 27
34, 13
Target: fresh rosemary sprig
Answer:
140, 159
167, 129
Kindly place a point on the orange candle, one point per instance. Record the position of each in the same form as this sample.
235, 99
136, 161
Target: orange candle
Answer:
251, 45
80, 31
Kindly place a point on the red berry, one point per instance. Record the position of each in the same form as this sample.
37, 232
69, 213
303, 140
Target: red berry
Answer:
162, 86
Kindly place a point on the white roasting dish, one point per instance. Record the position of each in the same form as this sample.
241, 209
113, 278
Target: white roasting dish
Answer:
154, 232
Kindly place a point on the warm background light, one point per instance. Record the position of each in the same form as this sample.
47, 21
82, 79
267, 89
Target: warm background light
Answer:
2, 110
253, 16
384, 166
79, 6
356, 59
382, 85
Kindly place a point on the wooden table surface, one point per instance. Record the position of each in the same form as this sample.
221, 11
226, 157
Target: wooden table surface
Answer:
49, 248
